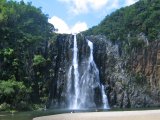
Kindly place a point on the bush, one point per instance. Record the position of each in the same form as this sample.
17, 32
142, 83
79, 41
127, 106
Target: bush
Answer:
4, 107
13, 92
38, 60
23, 106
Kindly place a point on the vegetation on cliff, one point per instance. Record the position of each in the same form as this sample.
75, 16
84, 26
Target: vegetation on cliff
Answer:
30, 60
23, 28
140, 19
136, 31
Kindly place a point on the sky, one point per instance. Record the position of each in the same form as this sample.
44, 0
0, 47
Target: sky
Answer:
73, 16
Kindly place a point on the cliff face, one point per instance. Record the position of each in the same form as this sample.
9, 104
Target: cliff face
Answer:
64, 56
145, 63
62, 62
130, 80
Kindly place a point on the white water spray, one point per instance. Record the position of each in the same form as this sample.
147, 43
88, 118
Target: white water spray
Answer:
73, 81
81, 87
104, 98
91, 61
76, 73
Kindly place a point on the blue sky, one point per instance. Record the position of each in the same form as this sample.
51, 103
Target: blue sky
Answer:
78, 15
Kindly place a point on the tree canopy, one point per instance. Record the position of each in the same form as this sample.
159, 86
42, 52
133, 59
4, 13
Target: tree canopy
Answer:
142, 17
23, 28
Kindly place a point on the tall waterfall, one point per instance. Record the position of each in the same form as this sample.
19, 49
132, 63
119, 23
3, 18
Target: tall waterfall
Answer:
95, 75
89, 81
81, 87
76, 73
73, 90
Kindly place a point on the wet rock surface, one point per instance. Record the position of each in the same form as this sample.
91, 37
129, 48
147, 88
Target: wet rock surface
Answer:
129, 82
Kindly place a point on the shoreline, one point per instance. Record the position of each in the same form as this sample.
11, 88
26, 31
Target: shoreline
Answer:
117, 115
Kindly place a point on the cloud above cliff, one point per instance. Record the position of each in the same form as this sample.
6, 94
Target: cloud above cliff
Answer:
78, 7
130, 2
78, 15
63, 27
85, 6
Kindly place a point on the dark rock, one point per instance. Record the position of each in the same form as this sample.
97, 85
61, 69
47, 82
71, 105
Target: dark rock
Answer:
131, 80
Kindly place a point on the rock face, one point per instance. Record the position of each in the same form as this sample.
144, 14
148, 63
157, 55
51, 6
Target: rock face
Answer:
130, 80
58, 93
145, 64
62, 62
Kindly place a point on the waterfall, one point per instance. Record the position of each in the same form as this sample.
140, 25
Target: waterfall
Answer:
81, 87
104, 98
73, 91
69, 89
76, 73
96, 73
89, 82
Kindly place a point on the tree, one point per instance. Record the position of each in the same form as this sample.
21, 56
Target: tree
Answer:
13, 92
143, 16
23, 29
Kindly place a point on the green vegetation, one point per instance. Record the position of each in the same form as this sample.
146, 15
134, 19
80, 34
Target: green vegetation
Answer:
38, 59
14, 93
129, 22
23, 29
133, 28
28, 47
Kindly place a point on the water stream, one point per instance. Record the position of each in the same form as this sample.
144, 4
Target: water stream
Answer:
73, 86
104, 98
81, 87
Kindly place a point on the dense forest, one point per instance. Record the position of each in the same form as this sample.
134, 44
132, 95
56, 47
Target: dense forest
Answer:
22, 29
131, 23
28, 51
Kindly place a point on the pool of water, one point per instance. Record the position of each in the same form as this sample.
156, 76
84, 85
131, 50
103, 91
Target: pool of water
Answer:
32, 114
28, 115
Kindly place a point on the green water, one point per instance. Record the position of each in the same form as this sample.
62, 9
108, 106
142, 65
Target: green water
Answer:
28, 115
32, 114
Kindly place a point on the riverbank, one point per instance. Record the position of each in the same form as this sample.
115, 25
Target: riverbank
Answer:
123, 115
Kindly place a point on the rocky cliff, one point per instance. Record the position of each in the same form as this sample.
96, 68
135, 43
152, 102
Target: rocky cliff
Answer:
144, 64
130, 82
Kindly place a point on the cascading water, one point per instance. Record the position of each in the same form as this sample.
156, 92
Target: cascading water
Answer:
76, 73
104, 98
89, 82
81, 87
73, 90
96, 76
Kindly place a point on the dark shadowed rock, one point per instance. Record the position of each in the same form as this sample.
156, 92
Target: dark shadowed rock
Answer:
130, 80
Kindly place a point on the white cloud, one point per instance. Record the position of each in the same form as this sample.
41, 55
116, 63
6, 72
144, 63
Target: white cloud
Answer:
130, 2
59, 24
79, 27
97, 4
83, 6
62, 26
114, 4
77, 7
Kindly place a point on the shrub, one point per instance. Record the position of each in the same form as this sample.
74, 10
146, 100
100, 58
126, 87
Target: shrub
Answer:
38, 60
